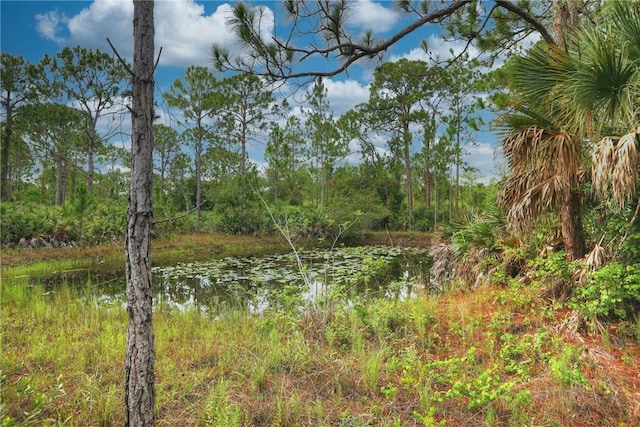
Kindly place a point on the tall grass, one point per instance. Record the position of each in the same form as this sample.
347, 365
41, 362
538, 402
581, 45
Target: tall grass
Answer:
458, 359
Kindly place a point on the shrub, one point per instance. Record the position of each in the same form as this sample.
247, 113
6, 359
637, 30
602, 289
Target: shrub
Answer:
612, 291
55, 225
477, 231
19, 221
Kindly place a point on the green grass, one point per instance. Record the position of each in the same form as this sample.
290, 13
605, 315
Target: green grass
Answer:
482, 358
47, 268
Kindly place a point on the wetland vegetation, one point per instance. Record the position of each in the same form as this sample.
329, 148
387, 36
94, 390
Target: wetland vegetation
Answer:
502, 354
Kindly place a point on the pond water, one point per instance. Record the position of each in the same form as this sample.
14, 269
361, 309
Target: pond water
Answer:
295, 279
279, 280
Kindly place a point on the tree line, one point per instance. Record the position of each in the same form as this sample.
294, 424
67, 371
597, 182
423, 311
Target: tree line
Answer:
396, 160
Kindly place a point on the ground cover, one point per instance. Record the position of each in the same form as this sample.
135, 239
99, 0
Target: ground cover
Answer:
497, 355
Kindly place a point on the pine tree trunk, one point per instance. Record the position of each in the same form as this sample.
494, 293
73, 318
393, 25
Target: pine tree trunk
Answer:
406, 137
91, 151
199, 139
5, 191
565, 19
139, 365
61, 182
427, 177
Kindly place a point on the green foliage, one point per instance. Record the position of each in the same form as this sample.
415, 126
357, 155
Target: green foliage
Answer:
552, 267
565, 368
478, 230
80, 221
220, 411
616, 228
300, 221
237, 206
36, 404
482, 389
21, 221
611, 292
353, 194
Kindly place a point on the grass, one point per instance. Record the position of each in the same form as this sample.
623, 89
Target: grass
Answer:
495, 356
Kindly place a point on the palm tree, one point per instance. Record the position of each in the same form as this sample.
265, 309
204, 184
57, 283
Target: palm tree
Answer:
567, 98
546, 167
606, 96
544, 156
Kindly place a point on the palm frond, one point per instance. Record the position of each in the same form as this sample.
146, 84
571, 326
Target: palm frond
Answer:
615, 167
597, 257
537, 75
598, 92
528, 195
534, 147
517, 147
626, 15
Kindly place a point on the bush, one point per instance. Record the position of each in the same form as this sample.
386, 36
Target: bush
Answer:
20, 221
249, 220
611, 292
53, 225
300, 221
477, 231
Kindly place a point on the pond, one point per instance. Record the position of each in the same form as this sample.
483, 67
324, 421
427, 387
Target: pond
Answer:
288, 280
271, 281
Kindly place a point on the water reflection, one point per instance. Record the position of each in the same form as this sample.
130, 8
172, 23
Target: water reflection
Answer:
272, 281
275, 281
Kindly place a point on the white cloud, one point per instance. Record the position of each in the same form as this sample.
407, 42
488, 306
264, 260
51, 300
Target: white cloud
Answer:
370, 14
438, 49
186, 34
50, 24
183, 30
416, 54
484, 157
344, 95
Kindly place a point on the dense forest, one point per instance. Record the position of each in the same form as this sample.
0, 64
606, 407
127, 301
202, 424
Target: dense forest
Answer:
560, 222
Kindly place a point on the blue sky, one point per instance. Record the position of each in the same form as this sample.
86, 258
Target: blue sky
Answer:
186, 30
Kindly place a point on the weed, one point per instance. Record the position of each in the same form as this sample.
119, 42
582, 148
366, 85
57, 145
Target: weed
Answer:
565, 368
612, 291
220, 411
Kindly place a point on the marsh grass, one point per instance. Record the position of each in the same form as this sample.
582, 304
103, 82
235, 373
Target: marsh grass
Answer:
47, 268
460, 359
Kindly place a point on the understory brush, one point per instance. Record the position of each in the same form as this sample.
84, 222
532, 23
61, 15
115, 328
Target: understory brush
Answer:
489, 357
38, 226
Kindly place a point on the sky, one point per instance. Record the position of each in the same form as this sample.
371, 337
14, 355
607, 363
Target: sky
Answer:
186, 30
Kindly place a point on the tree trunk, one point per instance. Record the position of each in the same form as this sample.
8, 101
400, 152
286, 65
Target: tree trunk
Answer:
199, 139
435, 202
406, 136
139, 365
427, 176
572, 231
458, 156
565, 19
5, 190
61, 182
90, 156
243, 148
